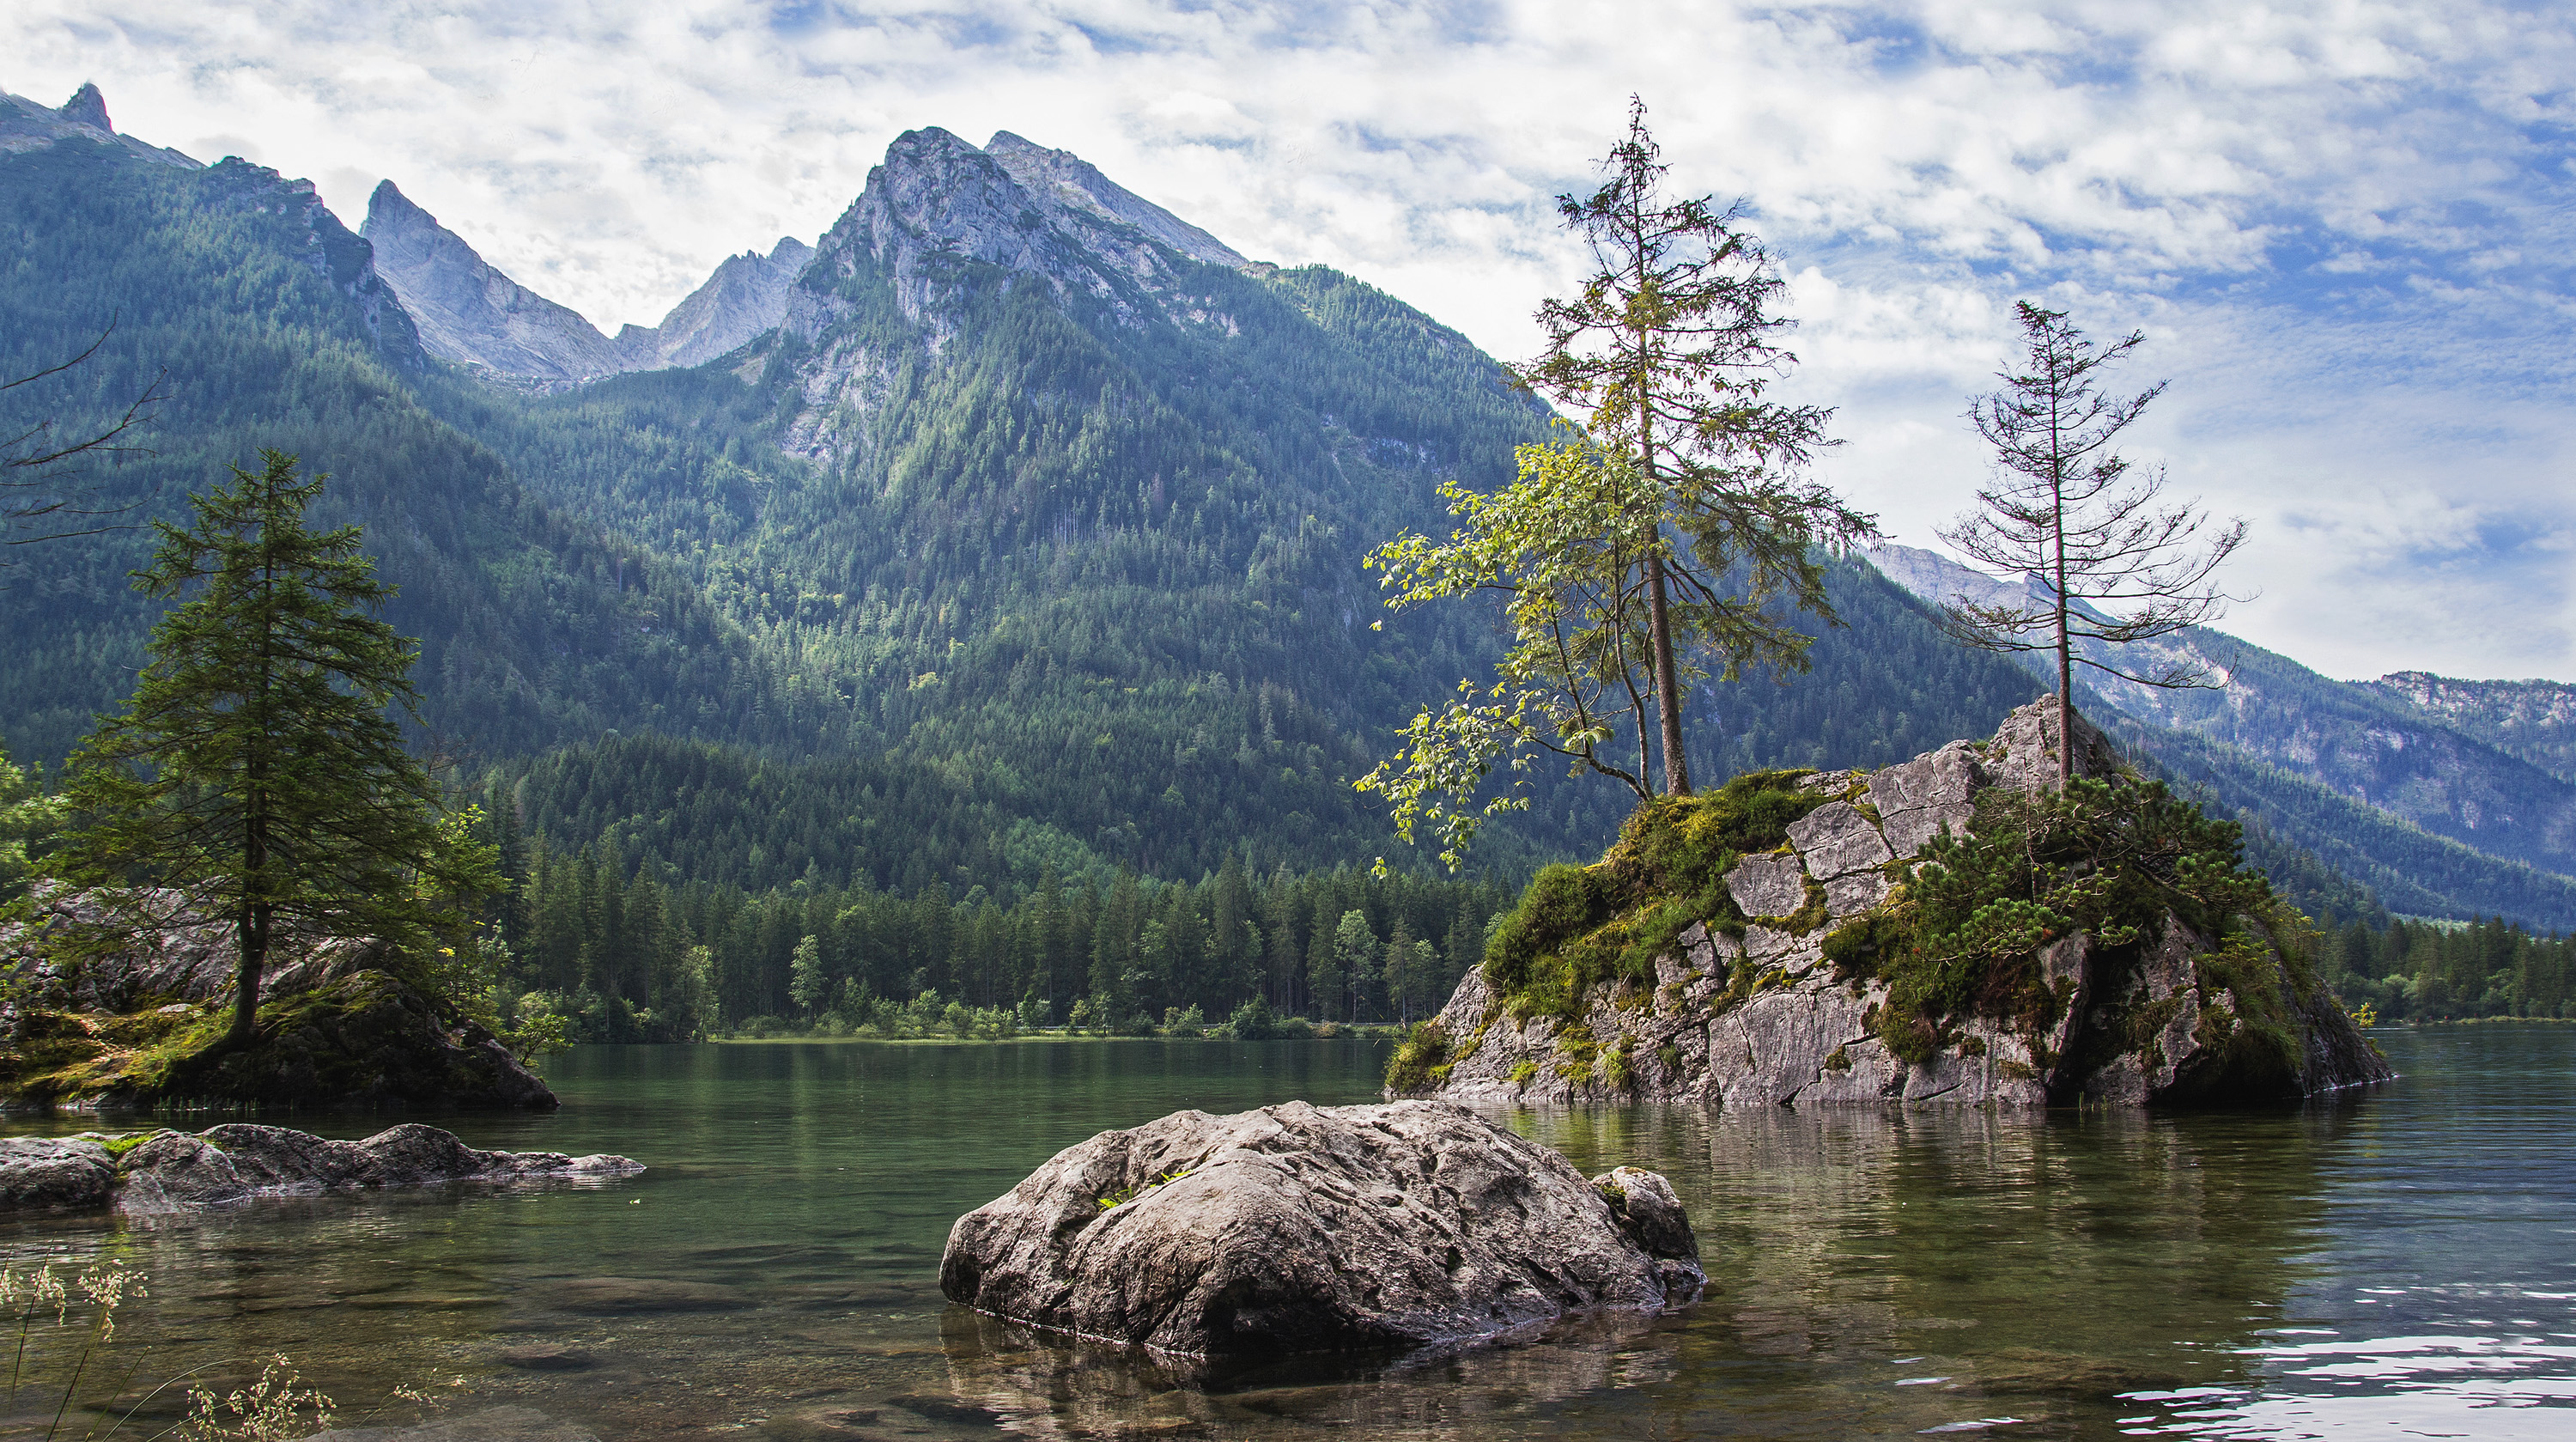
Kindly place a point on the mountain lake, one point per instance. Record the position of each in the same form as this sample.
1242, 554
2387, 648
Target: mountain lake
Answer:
2401, 1263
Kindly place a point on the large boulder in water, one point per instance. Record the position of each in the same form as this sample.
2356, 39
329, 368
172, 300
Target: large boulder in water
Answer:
1304, 1229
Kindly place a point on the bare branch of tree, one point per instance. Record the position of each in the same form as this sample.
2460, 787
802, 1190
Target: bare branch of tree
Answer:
42, 476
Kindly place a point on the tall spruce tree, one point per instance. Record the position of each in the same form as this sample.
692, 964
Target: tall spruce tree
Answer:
1673, 528
256, 772
2114, 563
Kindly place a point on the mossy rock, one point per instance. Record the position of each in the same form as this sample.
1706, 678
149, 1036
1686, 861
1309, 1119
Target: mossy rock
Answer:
367, 1038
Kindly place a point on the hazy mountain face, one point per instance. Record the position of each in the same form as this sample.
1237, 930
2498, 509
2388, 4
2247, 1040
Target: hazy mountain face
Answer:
476, 316
744, 299
2535, 720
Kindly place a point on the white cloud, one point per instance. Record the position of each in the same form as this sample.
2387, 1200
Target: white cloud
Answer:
2340, 222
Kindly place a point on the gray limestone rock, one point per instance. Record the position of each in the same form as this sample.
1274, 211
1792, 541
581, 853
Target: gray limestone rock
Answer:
1773, 884
1064, 181
47, 1174
1304, 1229
744, 299
179, 1172
472, 314
31, 125
1836, 839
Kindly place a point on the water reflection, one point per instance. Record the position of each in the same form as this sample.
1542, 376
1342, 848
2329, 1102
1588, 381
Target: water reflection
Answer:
2280, 1274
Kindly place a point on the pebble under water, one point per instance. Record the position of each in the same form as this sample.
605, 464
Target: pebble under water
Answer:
2397, 1263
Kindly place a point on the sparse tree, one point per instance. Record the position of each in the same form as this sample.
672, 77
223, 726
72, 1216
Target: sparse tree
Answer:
2116, 564
1664, 535
1355, 950
256, 771
807, 986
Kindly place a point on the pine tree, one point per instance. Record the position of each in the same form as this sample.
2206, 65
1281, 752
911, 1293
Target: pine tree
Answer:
256, 771
2112, 564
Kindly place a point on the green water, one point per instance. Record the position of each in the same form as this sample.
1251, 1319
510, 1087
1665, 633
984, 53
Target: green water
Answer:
2383, 1265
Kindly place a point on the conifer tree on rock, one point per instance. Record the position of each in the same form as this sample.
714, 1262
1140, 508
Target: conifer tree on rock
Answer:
1668, 530
2067, 511
256, 771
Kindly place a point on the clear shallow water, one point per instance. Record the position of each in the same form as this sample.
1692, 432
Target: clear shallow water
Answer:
2396, 1265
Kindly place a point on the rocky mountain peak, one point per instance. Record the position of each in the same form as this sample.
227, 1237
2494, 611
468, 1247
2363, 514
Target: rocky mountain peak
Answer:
469, 312
87, 107
745, 297
1064, 180
937, 200
32, 125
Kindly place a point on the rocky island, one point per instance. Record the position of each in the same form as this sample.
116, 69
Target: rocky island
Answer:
1949, 930
340, 1022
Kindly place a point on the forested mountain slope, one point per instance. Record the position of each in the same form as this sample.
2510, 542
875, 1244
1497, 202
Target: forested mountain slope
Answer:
259, 318
1027, 542
1073, 526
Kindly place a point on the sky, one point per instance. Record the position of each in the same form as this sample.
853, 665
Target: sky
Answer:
2346, 228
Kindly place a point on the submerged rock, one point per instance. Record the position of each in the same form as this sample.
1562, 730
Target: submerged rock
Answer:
617, 1296
1303, 1229
1761, 1016
493, 1424
173, 1172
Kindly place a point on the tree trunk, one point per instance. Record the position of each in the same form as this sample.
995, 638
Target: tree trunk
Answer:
251, 935
2065, 655
1668, 699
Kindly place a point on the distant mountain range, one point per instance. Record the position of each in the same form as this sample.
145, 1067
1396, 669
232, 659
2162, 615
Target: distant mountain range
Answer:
1011, 526
2482, 763
477, 317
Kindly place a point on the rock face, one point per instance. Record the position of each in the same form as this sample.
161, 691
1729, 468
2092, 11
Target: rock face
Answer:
472, 314
1065, 182
338, 1024
937, 201
746, 297
1304, 1229
27, 125
178, 1172
2146, 1026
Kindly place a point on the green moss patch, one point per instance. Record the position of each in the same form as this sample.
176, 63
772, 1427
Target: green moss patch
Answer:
1580, 926
1421, 1061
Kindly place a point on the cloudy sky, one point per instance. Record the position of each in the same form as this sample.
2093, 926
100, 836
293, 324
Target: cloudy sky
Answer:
2345, 227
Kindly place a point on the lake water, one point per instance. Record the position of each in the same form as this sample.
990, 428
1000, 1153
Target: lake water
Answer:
2399, 1264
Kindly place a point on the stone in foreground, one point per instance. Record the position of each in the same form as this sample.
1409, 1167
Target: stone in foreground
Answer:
182, 1172
1304, 1229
